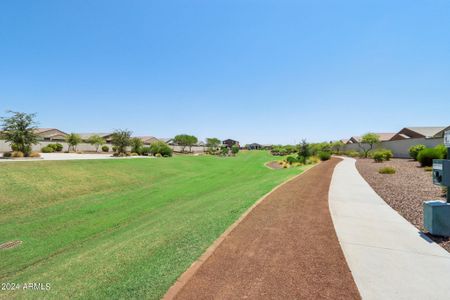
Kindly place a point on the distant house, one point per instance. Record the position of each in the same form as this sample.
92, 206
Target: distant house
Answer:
168, 141
148, 140
106, 136
344, 141
354, 140
50, 134
229, 143
254, 146
417, 132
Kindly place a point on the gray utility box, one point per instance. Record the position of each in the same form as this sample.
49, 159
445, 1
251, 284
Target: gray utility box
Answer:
436, 219
441, 172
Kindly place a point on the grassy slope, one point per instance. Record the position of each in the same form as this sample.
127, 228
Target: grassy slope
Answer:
121, 228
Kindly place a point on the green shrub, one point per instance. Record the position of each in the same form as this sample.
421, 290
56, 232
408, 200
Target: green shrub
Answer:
105, 148
324, 155
414, 150
428, 169
386, 170
114, 148
441, 148
158, 155
234, 149
291, 160
146, 150
47, 149
7, 154
380, 155
58, 147
224, 150
426, 156
160, 148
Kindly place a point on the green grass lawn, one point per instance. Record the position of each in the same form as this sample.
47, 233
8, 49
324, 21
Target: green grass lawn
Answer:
124, 228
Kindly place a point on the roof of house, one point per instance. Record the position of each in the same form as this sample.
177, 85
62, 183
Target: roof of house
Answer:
44, 132
441, 133
86, 136
344, 141
426, 131
385, 136
148, 138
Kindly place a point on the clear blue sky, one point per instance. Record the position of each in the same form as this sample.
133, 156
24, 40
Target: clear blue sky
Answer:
264, 71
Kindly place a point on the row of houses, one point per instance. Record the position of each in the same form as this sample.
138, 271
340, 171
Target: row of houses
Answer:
54, 135
400, 142
405, 133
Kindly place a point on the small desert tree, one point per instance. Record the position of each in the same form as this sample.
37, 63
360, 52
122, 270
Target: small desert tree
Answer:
212, 144
136, 145
20, 130
185, 140
304, 151
121, 139
96, 141
369, 139
73, 140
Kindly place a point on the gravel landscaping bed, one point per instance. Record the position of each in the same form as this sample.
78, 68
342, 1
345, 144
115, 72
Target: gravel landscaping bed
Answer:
405, 190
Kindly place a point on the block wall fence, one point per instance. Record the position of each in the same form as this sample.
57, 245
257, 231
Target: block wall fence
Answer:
400, 148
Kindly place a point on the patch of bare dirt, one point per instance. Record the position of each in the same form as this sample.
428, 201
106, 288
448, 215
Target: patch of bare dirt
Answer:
274, 165
405, 191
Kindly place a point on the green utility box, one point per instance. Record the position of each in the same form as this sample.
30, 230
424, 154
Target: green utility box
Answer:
441, 172
436, 217
436, 213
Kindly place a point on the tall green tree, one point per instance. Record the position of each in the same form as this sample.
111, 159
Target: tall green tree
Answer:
121, 139
96, 141
20, 130
212, 143
185, 140
73, 140
369, 139
136, 145
304, 151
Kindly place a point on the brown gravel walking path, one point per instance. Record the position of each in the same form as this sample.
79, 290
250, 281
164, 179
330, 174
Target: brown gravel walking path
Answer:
286, 248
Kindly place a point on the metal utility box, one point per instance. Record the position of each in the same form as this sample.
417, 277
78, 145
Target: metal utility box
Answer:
441, 172
437, 217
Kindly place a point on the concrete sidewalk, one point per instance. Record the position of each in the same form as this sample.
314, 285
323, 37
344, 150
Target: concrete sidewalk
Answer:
389, 258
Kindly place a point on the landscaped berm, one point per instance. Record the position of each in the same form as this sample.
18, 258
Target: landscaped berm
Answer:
121, 228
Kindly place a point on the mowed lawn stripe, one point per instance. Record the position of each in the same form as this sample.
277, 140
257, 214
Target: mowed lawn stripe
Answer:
131, 236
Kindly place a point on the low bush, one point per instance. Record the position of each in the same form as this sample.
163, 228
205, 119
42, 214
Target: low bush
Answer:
386, 170
105, 148
234, 149
324, 155
17, 154
145, 150
441, 148
426, 156
114, 148
381, 155
414, 150
158, 155
160, 148
7, 154
56, 147
134, 154
34, 154
47, 149
291, 160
